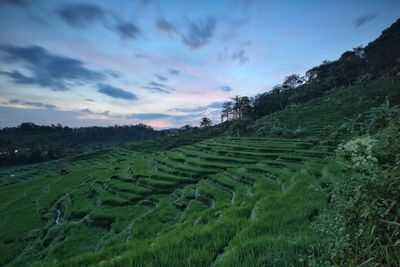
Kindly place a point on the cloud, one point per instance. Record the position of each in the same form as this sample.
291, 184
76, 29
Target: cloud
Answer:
174, 72
158, 87
160, 77
164, 120
358, 22
113, 73
18, 77
240, 56
158, 84
47, 70
31, 104
189, 116
20, 3
91, 114
234, 28
165, 117
87, 110
13, 116
245, 3
81, 15
199, 108
148, 116
226, 88
141, 56
199, 33
115, 92
241, 22
106, 113
165, 26
127, 30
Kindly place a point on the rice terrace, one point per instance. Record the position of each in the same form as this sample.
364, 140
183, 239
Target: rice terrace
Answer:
205, 168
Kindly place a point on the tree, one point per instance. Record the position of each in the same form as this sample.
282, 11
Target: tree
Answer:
226, 112
205, 122
240, 106
236, 106
363, 79
279, 95
359, 51
292, 81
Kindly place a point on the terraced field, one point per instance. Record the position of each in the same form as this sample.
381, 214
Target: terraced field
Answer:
184, 201
212, 203
320, 117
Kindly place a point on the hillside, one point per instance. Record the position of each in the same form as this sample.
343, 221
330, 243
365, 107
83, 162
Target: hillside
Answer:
30, 143
175, 199
134, 206
312, 183
330, 116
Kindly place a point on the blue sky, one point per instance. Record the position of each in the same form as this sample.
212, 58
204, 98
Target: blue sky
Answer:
165, 63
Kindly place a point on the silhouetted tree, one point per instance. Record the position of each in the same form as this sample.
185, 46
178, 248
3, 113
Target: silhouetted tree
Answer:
205, 122
227, 109
292, 81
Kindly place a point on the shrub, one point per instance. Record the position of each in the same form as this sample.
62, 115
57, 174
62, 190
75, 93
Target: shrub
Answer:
358, 154
362, 227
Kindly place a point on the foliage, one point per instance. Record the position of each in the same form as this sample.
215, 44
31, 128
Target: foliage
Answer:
362, 225
240, 127
238, 108
213, 202
358, 154
205, 122
359, 66
194, 198
29, 143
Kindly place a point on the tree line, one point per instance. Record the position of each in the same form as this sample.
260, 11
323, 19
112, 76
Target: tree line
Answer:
28, 142
358, 66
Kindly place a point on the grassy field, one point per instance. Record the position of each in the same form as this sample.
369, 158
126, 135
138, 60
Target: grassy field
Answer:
200, 204
322, 117
184, 201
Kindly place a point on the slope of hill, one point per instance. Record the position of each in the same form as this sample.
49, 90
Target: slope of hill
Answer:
326, 116
214, 202
171, 203
202, 198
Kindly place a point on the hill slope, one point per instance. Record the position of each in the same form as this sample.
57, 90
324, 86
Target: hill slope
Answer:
324, 117
171, 202
213, 202
202, 198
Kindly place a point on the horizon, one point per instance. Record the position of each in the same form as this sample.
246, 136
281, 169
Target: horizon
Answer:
166, 65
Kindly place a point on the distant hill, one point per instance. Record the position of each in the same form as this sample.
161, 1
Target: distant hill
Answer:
30, 143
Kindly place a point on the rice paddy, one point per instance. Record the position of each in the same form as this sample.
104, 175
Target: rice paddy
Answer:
212, 203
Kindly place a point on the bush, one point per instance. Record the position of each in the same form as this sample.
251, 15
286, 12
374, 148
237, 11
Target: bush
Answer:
362, 225
357, 154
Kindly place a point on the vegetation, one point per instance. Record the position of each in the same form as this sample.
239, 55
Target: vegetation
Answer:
357, 67
29, 143
361, 228
175, 200
305, 175
205, 122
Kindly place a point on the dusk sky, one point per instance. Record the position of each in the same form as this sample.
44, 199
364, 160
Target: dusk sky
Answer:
165, 63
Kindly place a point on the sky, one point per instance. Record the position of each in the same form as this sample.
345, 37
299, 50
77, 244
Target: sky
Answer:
165, 63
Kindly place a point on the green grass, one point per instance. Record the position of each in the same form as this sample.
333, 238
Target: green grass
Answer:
181, 201
319, 117
190, 206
